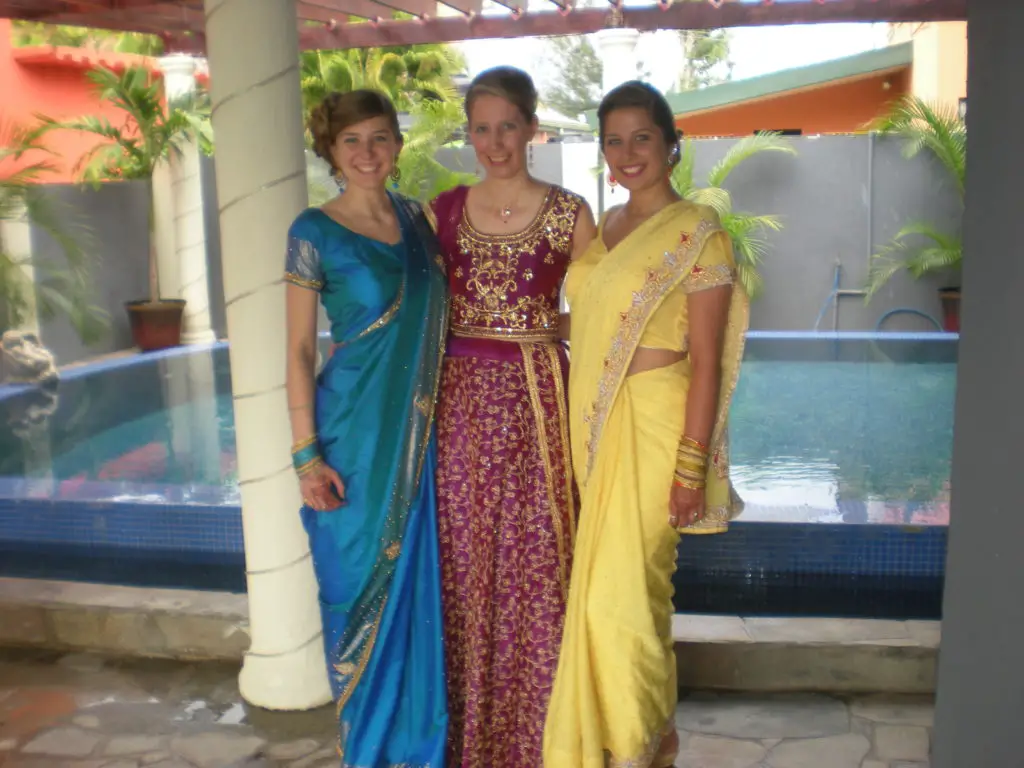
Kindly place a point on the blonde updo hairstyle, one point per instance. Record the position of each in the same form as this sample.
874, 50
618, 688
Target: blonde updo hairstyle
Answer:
339, 111
508, 83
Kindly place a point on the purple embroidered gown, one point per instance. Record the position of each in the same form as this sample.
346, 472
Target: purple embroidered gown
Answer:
506, 503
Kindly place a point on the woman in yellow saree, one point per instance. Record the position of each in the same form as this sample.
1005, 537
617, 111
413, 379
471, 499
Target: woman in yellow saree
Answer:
657, 330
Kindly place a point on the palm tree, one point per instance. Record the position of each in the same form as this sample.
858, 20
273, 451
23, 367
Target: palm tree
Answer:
151, 132
920, 247
406, 74
434, 124
746, 230
58, 289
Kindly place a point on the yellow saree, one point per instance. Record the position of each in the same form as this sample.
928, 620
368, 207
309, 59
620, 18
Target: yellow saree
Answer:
615, 690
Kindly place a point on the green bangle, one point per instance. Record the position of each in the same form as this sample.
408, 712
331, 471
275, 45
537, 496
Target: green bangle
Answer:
303, 456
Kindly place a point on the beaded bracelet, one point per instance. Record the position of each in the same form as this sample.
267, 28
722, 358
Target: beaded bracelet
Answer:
306, 455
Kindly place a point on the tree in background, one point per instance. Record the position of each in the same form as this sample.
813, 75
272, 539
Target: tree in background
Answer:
746, 230
28, 33
705, 58
407, 74
578, 86
921, 247
150, 133
58, 289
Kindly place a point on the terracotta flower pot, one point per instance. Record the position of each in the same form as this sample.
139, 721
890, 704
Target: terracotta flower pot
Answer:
156, 324
950, 299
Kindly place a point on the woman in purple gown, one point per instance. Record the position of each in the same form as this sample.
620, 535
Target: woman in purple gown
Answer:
506, 501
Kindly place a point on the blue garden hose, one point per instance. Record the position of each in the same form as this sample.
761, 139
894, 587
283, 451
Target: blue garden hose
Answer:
907, 311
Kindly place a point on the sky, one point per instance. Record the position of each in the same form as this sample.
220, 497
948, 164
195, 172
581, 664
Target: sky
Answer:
754, 50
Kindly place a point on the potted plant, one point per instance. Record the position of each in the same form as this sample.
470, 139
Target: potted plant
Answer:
44, 287
151, 132
746, 230
920, 247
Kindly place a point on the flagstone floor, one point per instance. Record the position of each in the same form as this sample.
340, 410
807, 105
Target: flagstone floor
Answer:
81, 711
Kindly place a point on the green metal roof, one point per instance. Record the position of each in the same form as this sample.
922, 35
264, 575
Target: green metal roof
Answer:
891, 57
738, 91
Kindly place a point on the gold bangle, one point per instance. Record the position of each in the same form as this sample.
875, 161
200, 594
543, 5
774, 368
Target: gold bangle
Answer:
689, 484
688, 461
309, 466
697, 444
699, 471
303, 443
685, 450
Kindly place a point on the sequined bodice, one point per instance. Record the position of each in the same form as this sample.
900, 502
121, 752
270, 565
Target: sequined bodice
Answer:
507, 286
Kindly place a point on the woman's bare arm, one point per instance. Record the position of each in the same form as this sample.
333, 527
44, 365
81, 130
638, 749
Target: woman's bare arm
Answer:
709, 314
301, 360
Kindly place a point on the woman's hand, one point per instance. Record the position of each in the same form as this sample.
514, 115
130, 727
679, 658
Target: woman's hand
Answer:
322, 489
686, 506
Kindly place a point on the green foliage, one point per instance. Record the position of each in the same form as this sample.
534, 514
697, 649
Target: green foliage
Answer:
407, 74
746, 230
150, 133
423, 177
578, 87
28, 33
920, 247
63, 289
705, 58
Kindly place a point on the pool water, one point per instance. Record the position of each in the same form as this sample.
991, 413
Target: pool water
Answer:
132, 463
827, 440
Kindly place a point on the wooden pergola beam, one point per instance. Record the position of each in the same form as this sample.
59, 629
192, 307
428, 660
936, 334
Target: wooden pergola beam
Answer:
172, 19
589, 20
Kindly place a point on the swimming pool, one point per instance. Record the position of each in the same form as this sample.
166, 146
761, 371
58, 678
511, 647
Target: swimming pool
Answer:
129, 473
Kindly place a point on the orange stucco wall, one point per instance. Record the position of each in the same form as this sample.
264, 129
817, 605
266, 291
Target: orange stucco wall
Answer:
53, 82
838, 108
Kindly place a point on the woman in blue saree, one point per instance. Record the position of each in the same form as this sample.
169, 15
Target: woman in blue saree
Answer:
363, 438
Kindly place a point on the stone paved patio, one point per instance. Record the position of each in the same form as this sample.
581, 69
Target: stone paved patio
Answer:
82, 711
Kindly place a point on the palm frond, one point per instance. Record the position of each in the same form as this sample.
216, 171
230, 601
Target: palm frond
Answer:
918, 248
745, 149
933, 127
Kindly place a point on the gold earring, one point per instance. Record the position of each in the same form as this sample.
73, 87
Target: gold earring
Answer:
396, 174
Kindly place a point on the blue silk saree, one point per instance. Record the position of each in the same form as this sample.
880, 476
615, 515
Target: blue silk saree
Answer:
376, 559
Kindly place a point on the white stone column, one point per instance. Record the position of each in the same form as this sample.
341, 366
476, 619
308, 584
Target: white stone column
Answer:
189, 223
16, 237
261, 186
617, 48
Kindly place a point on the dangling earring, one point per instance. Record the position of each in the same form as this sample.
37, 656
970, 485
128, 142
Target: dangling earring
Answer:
339, 178
612, 182
396, 175
529, 156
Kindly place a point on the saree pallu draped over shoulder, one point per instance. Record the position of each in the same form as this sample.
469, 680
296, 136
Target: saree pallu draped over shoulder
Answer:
615, 690
376, 559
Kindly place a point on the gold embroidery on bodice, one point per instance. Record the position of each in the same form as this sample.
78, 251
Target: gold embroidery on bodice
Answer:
508, 284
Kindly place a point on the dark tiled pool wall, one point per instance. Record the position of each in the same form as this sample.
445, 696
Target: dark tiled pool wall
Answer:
818, 569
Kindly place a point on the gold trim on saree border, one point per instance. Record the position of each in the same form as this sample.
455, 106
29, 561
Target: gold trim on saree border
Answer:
380, 322
313, 285
650, 753
659, 282
563, 423
533, 386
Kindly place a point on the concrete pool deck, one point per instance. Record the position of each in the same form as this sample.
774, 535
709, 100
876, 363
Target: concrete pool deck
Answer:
88, 711
728, 653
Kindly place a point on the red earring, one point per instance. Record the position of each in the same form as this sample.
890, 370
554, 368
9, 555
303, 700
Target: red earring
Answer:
611, 181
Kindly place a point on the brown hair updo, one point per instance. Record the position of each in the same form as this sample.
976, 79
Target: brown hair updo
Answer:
339, 111
511, 84
638, 95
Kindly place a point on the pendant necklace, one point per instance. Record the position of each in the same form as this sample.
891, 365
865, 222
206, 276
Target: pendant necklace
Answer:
506, 213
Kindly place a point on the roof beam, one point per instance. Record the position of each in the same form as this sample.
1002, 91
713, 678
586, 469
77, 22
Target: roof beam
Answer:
337, 11
682, 15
